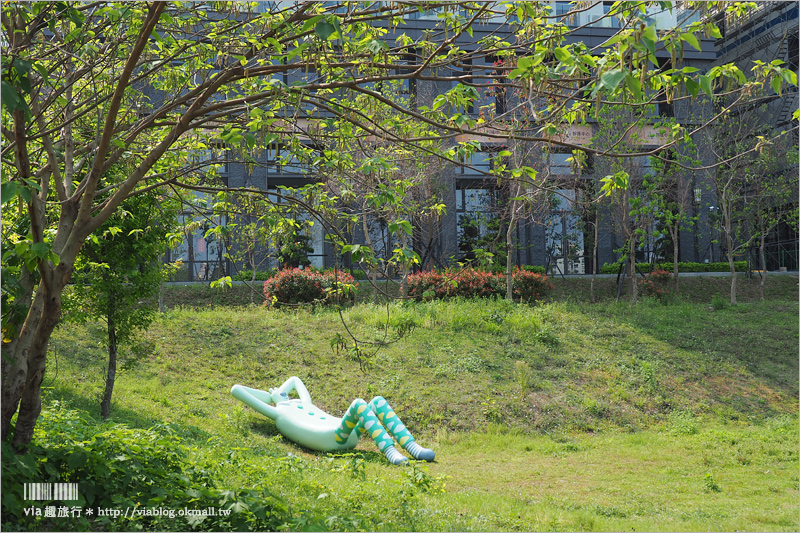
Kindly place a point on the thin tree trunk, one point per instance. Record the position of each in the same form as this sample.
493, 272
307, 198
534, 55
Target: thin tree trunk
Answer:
732, 267
105, 403
404, 280
594, 256
763, 257
510, 257
674, 232
632, 259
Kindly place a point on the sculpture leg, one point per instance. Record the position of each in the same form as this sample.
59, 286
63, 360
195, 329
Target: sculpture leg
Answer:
398, 430
359, 417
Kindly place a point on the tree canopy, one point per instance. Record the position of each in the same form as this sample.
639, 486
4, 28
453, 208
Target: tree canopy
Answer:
165, 86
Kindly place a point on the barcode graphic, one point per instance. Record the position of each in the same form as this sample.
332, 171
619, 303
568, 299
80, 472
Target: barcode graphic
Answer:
51, 491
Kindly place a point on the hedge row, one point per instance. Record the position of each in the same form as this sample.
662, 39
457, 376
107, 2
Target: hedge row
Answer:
471, 283
295, 286
741, 266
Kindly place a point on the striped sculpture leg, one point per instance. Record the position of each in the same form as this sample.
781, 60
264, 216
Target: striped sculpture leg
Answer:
398, 430
360, 417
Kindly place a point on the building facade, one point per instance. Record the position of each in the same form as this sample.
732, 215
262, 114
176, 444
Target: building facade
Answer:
558, 233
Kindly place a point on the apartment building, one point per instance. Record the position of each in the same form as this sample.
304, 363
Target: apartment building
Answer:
558, 237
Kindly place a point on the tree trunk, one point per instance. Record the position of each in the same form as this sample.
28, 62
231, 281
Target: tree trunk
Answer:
732, 267
510, 257
594, 256
404, 279
632, 260
105, 403
674, 233
24, 366
763, 258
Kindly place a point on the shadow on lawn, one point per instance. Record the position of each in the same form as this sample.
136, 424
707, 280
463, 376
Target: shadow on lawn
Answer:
119, 415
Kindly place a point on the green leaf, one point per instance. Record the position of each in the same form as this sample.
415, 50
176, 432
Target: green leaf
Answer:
337, 24
42, 250
777, 82
324, 30
561, 54
406, 225
9, 96
693, 87
76, 460
8, 191
705, 84
25, 194
650, 33
692, 40
649, 44
375, 46
634, 86
713, 31
789, 76
612, 78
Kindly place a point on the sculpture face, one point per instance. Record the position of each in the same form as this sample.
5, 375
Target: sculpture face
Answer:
278, 397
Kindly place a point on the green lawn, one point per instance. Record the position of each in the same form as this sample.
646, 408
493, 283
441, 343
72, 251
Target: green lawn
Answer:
561, 416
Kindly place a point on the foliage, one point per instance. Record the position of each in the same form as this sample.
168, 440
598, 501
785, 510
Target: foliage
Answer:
120, 269
247, 275
742, 397
657, 285
294, 250
180, 89
473, 283
688, 266
530, 286
118, 467
293, 286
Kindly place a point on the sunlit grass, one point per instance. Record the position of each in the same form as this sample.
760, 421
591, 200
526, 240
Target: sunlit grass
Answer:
549, 417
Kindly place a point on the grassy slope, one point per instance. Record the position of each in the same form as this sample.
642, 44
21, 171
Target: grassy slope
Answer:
560, 416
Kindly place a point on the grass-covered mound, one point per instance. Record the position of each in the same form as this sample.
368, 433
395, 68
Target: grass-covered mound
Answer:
547, 417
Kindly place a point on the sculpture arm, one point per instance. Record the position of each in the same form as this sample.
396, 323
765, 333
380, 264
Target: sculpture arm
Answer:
294, 383
257, 399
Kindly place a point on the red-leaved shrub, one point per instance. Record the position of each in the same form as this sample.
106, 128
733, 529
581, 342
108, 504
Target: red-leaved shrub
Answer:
530, 286
473, 283
657, 284
294, 286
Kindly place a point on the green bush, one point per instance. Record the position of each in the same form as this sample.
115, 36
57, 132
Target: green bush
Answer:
261, 275
741, 266
533, 268
117, 467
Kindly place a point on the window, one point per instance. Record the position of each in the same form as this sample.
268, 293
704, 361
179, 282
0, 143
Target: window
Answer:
794, 50
560, 164
480, 163
500, 86
565, 244
475, 219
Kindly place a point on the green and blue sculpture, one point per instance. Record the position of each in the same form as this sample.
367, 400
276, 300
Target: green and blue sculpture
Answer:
300, 421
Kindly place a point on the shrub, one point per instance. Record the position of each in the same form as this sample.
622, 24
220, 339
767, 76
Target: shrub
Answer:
530, 286
294, 286
261, 275
533, 268
473, 283
688, 266
117, 467
428, 285
657, 285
